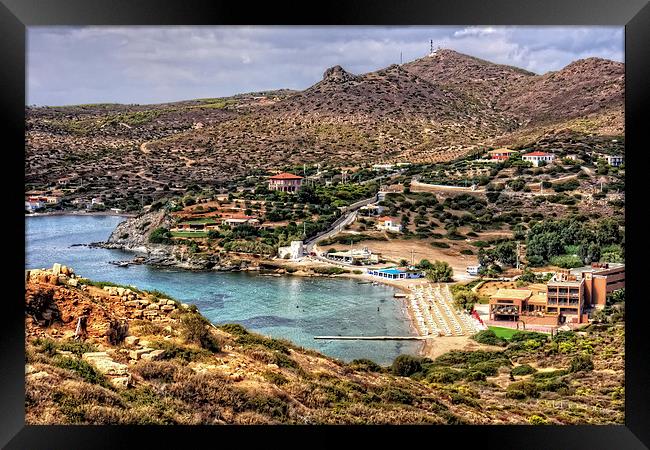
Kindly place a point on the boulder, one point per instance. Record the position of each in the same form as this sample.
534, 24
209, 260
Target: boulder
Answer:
56, 269
136, 314
73, 282
64, 270
120, 382
131, 340
137, 354
153, 306
153, 355
167, 308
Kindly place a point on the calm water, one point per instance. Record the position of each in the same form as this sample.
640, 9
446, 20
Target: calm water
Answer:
288, 307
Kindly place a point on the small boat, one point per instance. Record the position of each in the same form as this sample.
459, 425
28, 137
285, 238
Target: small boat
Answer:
123, 264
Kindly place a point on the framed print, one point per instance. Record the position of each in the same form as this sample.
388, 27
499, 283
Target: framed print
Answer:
407, 220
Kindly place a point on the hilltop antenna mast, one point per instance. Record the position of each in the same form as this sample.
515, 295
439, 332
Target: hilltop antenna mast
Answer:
400, 58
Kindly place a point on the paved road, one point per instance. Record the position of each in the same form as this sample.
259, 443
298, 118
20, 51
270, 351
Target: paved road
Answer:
349, 215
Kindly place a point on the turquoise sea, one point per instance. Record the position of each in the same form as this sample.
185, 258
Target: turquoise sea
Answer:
289, 307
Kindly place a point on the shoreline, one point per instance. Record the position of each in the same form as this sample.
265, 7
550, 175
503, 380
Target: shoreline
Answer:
80, 213
398, 286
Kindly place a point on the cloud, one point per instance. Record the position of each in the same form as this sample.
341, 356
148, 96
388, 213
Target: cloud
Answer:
145, 64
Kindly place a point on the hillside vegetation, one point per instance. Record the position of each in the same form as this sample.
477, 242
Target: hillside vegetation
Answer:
147, 359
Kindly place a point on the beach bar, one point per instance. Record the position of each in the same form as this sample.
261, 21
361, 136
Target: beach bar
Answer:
393, 273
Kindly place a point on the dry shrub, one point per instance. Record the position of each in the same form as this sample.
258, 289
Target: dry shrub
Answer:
156, 370
252, 418
91, 393
148, 328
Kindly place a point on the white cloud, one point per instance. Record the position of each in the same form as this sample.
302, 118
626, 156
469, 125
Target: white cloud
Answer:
68, 65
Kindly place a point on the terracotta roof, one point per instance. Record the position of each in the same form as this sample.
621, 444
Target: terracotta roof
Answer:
286, 176
538, 154
386, 218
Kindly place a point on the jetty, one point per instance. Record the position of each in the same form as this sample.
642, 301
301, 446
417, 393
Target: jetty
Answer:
376, 338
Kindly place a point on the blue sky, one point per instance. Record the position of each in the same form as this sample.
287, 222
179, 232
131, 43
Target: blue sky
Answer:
74, 65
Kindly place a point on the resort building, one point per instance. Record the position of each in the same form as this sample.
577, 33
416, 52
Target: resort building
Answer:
565, 296
394, 273
600, 280
389, 224
285, 182
500, 154
537, 157
615, 161
564, 299
354, 256
473, 270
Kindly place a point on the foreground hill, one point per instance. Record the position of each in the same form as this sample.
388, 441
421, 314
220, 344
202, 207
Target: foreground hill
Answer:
435, 108
147, 359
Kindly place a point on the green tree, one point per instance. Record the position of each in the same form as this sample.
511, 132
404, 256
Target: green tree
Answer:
465, 299
439, 271
406, 365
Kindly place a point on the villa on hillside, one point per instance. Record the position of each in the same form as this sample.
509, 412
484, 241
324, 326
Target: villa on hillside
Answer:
239, 220
537, 157
501, 154
389, 224
285, 182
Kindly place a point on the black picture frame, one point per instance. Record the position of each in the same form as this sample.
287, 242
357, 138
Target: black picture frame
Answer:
15, 15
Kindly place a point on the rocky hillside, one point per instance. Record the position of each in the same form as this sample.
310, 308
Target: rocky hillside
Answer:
103, 354
435, 108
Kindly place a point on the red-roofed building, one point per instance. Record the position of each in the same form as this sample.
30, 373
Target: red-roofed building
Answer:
537, 157
285, 182
501, 154
389, 224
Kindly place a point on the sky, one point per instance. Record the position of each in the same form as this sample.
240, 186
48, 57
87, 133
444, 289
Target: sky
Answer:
143, 64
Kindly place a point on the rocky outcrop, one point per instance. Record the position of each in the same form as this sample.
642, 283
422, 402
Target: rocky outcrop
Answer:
133, 233
337, 74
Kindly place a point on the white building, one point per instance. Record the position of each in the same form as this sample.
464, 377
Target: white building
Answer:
473, 270
32, 205
382, 167
389, 224
371, 210
537, 157
615, 161
294, 251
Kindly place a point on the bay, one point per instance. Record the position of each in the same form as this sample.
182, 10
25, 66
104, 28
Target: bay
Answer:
290, 307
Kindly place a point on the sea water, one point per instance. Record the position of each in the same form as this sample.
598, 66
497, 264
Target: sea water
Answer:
290, 307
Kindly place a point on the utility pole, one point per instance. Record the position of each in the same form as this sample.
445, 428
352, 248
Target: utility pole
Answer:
517, 255
400, 58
